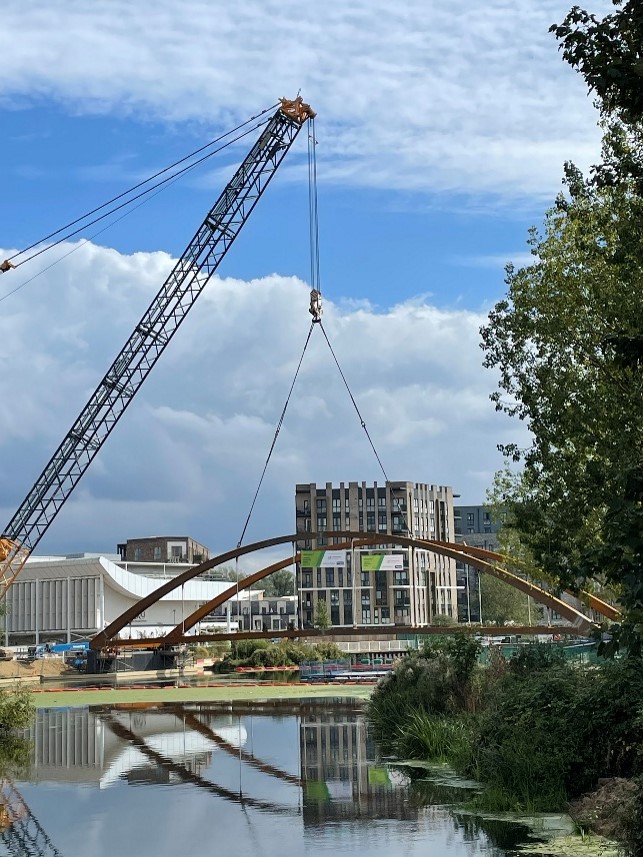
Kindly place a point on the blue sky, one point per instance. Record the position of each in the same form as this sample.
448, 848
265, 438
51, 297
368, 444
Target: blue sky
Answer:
442, 130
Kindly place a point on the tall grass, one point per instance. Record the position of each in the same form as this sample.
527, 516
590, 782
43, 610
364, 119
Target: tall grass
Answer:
435, 738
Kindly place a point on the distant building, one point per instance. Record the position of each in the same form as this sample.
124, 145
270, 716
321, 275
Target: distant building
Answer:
253, 610
164, 549
473, 526
69, 598
381, 584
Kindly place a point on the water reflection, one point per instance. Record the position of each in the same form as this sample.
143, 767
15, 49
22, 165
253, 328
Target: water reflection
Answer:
270, 778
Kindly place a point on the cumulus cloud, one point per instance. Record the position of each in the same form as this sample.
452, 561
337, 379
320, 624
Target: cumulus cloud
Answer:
188, 453
432, 95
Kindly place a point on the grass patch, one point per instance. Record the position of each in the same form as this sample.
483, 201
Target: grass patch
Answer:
78, 698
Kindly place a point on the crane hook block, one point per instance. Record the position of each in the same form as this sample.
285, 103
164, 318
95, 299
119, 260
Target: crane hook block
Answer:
6, 266
297, 109
315, 305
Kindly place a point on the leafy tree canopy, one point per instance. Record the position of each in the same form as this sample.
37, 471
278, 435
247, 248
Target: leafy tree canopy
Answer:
279, 583
608, 52
567, 342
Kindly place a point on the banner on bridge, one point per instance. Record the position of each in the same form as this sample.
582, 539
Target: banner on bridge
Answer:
382, 562
323, 559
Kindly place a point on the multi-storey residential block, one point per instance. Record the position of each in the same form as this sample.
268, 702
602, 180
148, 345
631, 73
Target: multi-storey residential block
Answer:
163, 549
374, 585
474, 526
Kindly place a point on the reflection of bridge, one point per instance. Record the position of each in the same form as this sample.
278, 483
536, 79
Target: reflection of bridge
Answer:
488, 562
336, 775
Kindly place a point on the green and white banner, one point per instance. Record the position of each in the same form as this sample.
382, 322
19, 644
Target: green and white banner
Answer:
323, 559
382, 562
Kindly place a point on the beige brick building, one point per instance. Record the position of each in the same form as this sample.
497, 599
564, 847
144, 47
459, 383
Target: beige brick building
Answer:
381, 585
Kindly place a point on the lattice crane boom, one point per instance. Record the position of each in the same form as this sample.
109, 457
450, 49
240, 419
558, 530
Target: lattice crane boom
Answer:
149, 339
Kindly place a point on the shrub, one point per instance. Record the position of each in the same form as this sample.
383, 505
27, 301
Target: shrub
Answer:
16, 709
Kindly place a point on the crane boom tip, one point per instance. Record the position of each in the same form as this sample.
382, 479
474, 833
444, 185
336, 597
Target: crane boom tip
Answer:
297, 109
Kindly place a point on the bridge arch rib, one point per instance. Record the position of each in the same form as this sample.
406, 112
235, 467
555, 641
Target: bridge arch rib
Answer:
485, 561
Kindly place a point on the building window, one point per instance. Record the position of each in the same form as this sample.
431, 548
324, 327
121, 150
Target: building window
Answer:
321, 523
337, 522
370, 504
366, 579
470, 517
157, 551
321, 505
337, 504
138, 554
319, 583
307, 580
347, 504
306, 506
340, 576
370, 522
330, 577
381, 502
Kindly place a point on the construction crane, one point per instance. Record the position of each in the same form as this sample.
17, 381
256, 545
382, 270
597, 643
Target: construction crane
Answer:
149, 339
20, 831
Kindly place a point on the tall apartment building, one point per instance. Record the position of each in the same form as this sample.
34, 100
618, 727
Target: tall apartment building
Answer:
475, 527
381, 584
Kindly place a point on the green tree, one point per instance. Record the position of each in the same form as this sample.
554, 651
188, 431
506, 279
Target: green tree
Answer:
501, 603
566, 342
322, 618
16, 709
279, 583
607, 52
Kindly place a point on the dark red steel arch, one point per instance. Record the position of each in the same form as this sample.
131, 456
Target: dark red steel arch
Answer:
486, 561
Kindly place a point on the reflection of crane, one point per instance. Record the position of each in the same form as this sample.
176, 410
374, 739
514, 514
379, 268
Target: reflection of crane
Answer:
20, 831
150, 337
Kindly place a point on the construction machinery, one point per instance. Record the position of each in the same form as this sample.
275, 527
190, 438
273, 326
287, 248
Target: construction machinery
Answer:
149, 339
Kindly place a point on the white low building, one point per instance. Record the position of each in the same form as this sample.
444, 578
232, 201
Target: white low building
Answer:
65, 599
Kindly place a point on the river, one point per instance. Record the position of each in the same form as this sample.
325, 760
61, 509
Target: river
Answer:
275, 778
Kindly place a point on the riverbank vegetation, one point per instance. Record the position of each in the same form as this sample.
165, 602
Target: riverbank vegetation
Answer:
286, 653
536, 730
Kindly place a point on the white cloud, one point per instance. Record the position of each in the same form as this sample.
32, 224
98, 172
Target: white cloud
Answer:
431, 95
188, 454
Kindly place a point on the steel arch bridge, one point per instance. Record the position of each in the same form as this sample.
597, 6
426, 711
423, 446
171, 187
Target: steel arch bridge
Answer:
488, 562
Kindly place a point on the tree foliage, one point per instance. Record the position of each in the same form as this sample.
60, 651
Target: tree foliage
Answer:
322, 617
608, 53
502, 603
566, 342
279, 583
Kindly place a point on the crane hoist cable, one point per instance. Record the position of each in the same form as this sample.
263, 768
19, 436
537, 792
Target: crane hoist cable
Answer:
316, 311
276, 435
9, 262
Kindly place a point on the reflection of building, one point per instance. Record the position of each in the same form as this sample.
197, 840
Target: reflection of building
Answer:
340, 776
474, 527
355, 592
78, 745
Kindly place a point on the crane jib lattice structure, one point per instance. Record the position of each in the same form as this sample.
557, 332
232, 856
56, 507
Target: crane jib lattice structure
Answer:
485, 561
151, 335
